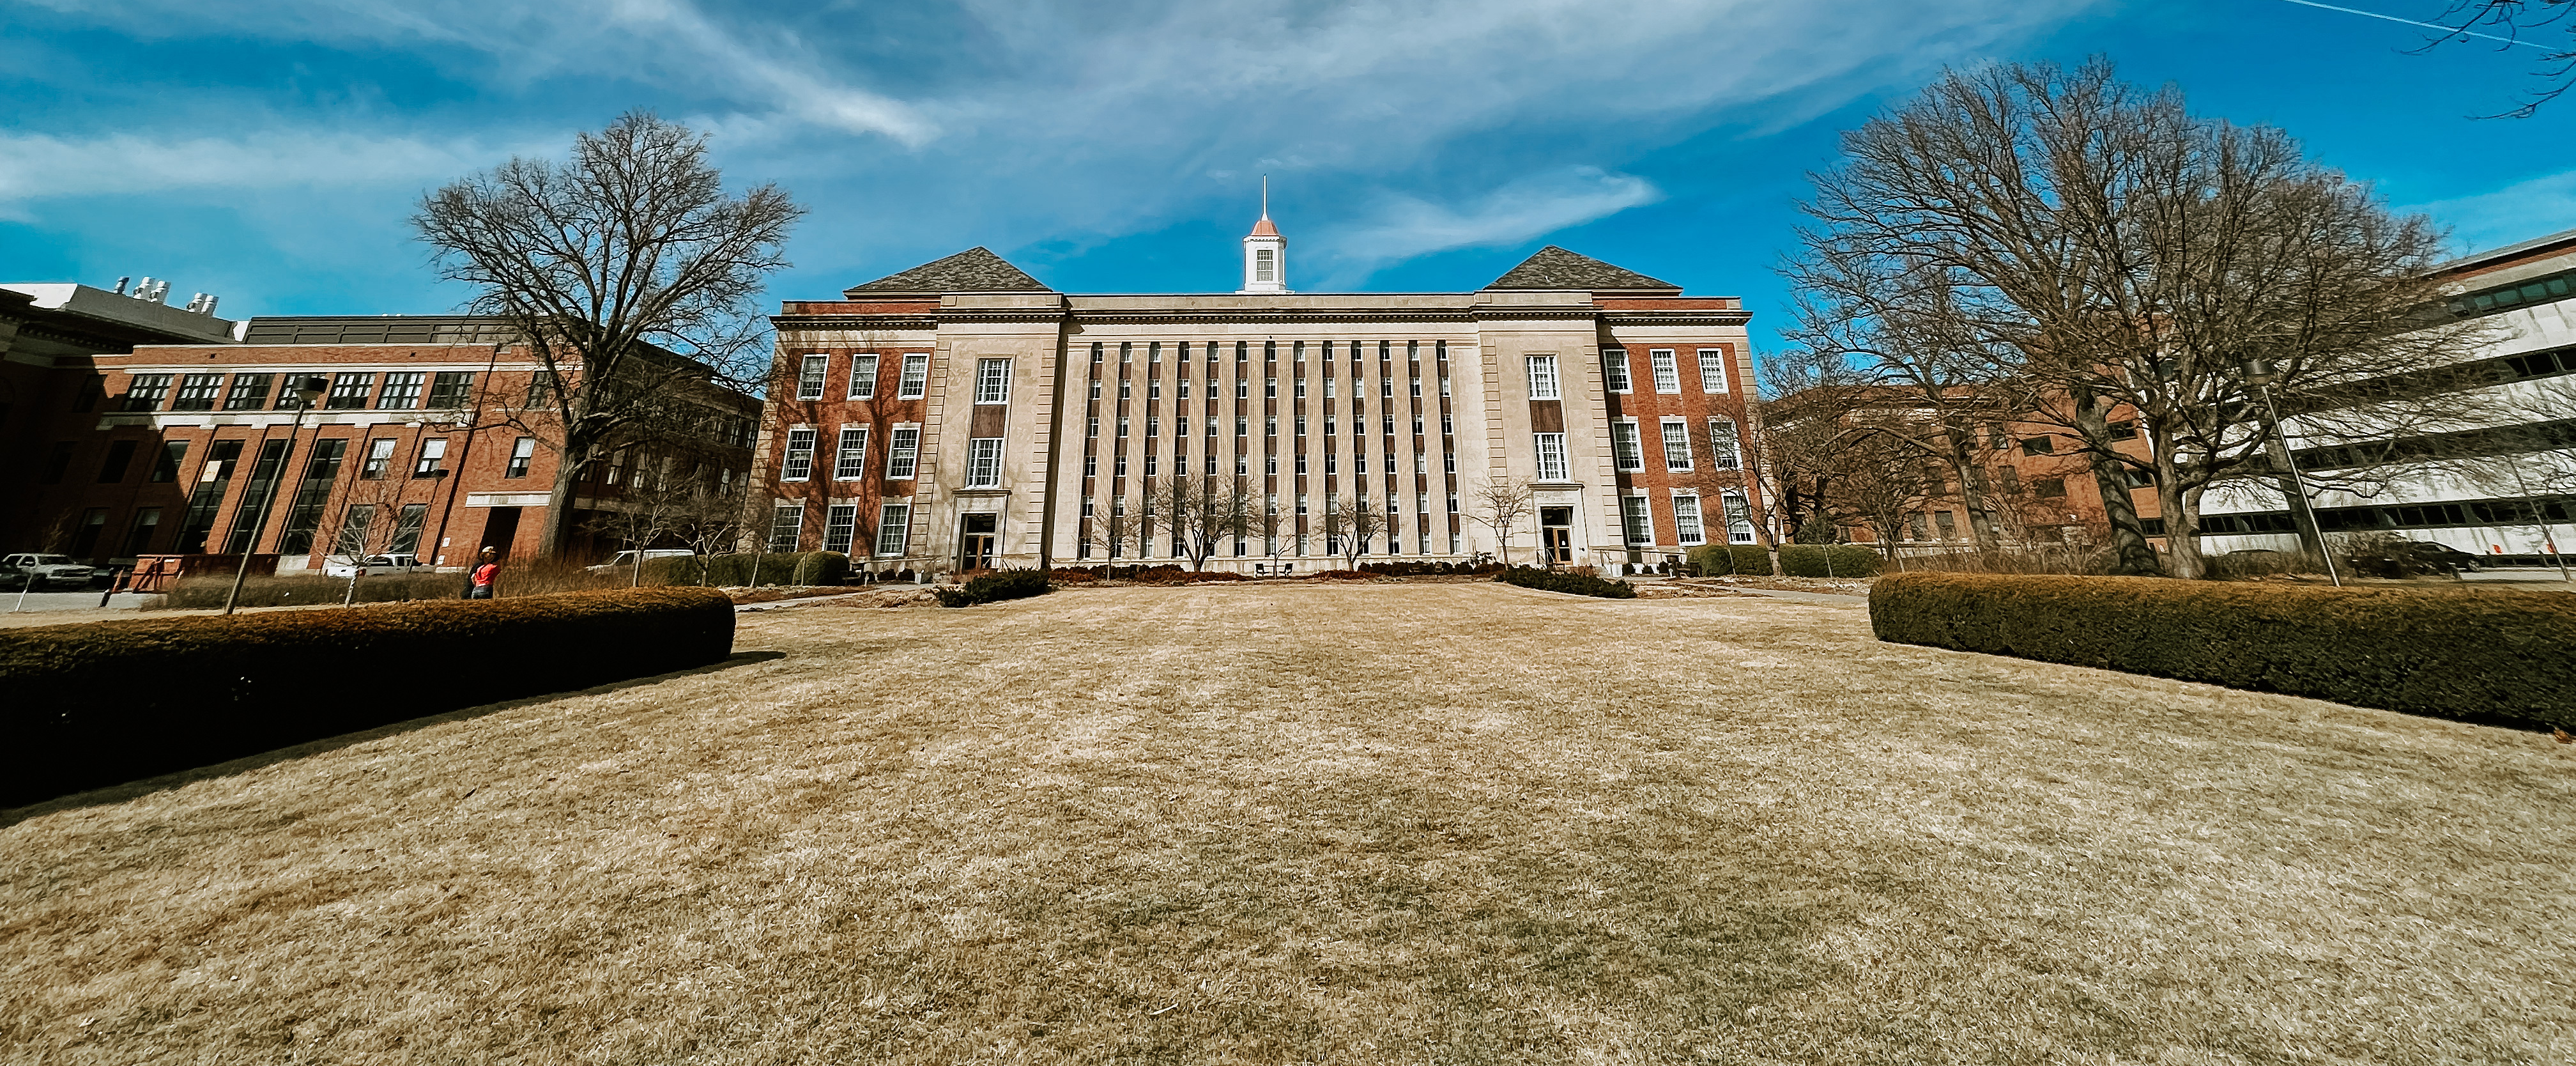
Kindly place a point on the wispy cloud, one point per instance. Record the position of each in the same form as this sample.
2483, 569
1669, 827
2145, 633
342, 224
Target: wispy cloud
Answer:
2518, 212
1402, 227
37, 166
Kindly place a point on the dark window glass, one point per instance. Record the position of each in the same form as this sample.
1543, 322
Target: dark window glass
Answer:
166, 468
208, 496
146, 391
2038, 446
350, 392
197, 392
147, 522
57, 460
402, 390
304, 516
250, 392
451, 390
120, 455
84, 543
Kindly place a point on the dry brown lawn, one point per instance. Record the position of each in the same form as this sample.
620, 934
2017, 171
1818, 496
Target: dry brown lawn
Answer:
1365, 823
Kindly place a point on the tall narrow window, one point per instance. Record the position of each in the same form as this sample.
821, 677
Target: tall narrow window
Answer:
350, 392
1686, 527
312, 496
1636, 520
541, 390
250, 392
402, 390
1264, 266
1614, 369
120, 458
850, 463
354, 526
1542, 377
1712, 370
1668, 376
1677, 446
147, 523
380, 458
408, 524
433, 457
166, 469
894, 528
1722, 444
984, 463
1739, 518
144, 392
809, 378
522, 452
903, 451
799, 465
197, 392
1550, 449
1624, 447
992, 381
863, 376
787, 528
916, 377
252, 512
840, 526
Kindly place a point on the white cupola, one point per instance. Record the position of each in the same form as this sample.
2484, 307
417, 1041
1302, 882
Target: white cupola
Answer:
1265, 253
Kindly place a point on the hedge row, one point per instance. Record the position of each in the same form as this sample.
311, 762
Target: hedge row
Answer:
2489, 656
993, 588
785, 568
94, 704
1406, 568
1531, 577
1827, 560
1712, 560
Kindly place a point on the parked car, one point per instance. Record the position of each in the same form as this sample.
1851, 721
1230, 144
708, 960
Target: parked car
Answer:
2395, 558
2441, 557
375, 565
626, 559
12, 578
51, 570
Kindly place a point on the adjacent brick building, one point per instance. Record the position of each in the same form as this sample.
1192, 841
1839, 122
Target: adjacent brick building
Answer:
962, 415
429, 438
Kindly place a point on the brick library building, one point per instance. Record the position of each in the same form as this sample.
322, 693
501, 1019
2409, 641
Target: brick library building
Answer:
961, 415
430, 437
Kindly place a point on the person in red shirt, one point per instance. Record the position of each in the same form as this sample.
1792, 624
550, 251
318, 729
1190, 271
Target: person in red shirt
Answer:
487, 573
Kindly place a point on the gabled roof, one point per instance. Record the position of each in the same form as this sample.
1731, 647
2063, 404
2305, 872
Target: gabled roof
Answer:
976, 269
1555, 268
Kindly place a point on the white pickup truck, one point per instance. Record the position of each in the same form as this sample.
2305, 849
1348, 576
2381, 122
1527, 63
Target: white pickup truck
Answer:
375, 565
56, 570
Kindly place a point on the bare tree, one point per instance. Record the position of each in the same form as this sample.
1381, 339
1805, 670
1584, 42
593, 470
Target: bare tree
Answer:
2513, 22
630, 275
1883, 484
710, 520
1114, 528
1501, 504
1275, 529
2112, 253
1355, 520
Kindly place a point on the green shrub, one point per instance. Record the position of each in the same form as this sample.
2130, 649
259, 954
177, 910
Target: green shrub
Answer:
1716, 560
993, 588
1531, 577
102, 702
1828, 560
2473, 655
784, 568
210, 590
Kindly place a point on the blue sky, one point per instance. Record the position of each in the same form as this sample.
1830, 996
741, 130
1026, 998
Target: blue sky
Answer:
270, 152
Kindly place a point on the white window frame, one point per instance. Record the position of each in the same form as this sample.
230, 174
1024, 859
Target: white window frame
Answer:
863, 376
1614, 371
840, 527
1712, 370
779, 524
1667, 369
850, 460
984, 463
1739, 516
1637, 519
1543, 382
809, 376
798, 465
1627, 447
1677, 445
992, 381
894, 528
1548, 450
916, 377
1725, 444
903, 453
1688, 530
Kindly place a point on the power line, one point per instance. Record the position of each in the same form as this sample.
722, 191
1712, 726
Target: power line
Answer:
2448, 30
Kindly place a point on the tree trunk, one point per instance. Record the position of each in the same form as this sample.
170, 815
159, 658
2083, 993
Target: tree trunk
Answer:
2131, 555
556, 533
1972, 496
2182, 521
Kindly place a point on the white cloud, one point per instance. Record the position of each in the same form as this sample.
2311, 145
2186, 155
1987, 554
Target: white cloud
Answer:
2536, 207
37, 166
1402, 227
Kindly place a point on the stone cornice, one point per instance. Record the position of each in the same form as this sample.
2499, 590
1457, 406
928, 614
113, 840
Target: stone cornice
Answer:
1676, 318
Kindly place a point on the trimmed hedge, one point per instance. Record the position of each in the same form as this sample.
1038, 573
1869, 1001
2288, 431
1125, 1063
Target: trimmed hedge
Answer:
98, 703
2488, 656
1828, 560
1714, 560
785, 568
993, 588
1531, 577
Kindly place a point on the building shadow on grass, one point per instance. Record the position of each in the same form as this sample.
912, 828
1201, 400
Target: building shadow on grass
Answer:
146, 786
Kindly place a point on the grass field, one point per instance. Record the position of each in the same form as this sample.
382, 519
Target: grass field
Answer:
1374, 823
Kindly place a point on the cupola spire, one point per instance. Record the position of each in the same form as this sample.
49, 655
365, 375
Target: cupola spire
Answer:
1265, 253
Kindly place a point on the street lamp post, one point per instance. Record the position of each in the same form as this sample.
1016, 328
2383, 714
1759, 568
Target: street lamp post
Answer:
2259, 373
306, 389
